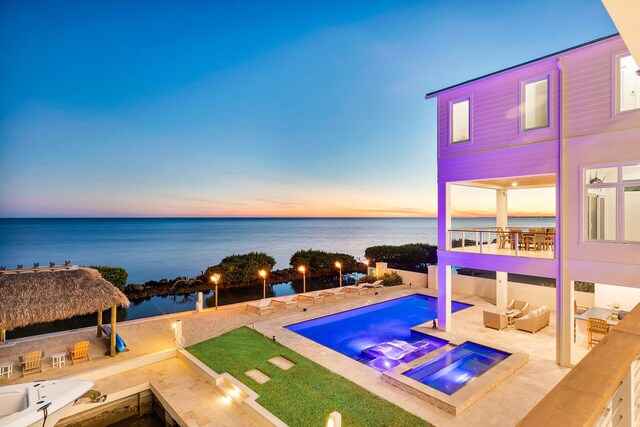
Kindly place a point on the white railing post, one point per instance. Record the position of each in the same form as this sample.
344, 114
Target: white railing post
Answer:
516, 244
481, 241
463, 239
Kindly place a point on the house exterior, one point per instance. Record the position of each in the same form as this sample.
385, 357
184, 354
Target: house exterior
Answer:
568, 121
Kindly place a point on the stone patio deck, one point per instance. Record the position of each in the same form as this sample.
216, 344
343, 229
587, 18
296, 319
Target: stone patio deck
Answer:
504, 405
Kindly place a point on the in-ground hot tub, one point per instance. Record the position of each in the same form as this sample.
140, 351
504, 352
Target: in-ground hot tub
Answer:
450, 371
454, 376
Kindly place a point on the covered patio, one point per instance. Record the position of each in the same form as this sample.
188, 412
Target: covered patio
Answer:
45, 295
507, 239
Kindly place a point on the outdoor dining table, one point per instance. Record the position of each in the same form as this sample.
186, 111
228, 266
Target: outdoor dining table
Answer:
525, 238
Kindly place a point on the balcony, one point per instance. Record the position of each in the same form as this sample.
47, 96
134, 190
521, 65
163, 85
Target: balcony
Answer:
520, 242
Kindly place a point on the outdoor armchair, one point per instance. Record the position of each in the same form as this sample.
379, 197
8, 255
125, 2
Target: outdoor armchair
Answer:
31, 362
79, 351
523, 306
495, 320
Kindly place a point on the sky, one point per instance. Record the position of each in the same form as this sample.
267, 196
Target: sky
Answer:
252, 108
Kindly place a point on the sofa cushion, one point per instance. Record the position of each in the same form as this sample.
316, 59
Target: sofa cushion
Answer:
538, 311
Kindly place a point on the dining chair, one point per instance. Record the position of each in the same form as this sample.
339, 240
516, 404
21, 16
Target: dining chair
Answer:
504, 238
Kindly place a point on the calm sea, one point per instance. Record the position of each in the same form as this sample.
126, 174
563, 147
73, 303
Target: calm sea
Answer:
171, 247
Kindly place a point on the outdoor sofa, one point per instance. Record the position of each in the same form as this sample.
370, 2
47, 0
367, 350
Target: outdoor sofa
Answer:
534, 321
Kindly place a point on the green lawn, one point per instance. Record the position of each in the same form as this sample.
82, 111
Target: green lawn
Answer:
304, 395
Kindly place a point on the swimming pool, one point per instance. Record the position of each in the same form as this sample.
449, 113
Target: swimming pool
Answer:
380, 334
452, 370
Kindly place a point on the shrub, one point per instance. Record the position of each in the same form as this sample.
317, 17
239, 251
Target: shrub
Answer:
411, 254
321, 262
389, 279
239, 270
116, 275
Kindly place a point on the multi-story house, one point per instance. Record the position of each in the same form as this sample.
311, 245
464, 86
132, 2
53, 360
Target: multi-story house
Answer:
568, 121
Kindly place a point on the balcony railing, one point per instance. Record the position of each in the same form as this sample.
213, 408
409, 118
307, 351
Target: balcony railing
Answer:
531, 242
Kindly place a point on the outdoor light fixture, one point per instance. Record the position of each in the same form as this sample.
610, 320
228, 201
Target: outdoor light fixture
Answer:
335, 420
263, 274
303, 270
339, 267
514, 184
177, 330
215, 278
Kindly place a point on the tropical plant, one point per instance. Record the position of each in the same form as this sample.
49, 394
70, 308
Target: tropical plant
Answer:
239, 270
116, 275
322, 262
389, 279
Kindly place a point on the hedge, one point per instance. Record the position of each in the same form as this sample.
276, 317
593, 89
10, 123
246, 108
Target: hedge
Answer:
402, 255
116, 275
322, 262
242, 270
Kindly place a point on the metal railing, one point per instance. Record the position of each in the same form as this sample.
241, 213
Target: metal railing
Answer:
534, 243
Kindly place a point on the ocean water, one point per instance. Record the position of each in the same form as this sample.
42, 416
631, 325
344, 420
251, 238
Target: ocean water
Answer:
155, 248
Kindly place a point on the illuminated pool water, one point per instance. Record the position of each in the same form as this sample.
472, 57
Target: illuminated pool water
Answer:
452, 370
380, 334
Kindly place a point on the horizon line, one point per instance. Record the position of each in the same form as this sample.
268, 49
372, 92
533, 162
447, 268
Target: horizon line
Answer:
273, 217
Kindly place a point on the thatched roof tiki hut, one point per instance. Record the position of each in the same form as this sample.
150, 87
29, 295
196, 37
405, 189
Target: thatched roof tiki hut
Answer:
46, 294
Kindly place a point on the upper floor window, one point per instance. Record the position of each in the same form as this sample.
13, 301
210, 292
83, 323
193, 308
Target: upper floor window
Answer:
535, 112
460, 121
613, 203
628, 84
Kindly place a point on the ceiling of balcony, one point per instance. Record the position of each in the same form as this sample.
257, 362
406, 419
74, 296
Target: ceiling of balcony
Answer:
536, 181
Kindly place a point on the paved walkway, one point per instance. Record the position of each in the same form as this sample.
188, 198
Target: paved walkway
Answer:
198, 402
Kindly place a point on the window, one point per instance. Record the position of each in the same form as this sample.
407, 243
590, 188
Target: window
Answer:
536, 104
628, 84
612, 194
460, 121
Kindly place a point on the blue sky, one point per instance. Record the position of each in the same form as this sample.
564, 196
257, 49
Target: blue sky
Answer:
249, 108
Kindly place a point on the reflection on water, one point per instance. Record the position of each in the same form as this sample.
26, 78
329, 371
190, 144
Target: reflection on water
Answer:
156, 306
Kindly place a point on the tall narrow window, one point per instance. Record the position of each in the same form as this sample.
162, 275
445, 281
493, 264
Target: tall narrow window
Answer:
460, 121
628, 84
612, 193
536, 104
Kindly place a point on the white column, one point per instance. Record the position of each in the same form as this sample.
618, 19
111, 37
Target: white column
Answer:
501, 290
444, 297
501, 209
381, 269
444, 215
199, 303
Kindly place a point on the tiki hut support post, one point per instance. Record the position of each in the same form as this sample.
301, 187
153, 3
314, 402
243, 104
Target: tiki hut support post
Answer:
113, 330
3, 335
99, 331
